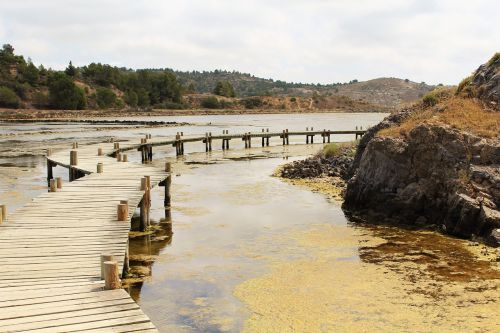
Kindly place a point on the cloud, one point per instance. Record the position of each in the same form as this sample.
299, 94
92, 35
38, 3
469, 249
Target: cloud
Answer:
297, 40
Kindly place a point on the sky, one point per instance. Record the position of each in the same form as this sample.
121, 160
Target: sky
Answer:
313, 41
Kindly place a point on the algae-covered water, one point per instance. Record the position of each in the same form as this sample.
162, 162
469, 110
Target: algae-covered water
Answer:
241, 250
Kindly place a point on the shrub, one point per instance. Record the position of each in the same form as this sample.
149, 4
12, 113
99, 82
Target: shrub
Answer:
252, 102
106, 98
210, 102
331, 150
64, 94
293, 99
430, 99
224, 88
465, 82
40, 100
8, 98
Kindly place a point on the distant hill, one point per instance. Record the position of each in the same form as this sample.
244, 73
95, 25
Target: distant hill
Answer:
385, 92
101, 86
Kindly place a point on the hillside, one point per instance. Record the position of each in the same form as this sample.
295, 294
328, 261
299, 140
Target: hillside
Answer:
99, 86
385, 92
391, 92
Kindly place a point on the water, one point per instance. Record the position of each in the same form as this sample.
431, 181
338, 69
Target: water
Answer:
244, 251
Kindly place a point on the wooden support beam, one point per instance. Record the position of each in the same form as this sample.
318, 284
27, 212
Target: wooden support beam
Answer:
100, 167
99, 152
124, 158
111, 275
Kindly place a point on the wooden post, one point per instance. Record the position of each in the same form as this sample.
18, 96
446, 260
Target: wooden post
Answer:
59, 182
50, 173
124, 158
49, 151
111, 275
209, 141
122, 212
73, 157
104, 258
126, 261
99, 167
3, 213
287, 137
249, 140
324, 135
53, 185
99, 151
328, 136
118, 157
284, 137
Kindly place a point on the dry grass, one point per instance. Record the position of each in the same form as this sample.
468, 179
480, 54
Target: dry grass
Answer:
460, 113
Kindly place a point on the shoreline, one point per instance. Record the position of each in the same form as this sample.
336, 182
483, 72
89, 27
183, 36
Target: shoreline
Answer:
34, 115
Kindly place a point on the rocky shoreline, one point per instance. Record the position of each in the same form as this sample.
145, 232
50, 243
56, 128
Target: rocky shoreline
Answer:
430, 175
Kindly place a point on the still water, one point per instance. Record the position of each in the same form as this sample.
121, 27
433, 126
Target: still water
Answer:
241, 250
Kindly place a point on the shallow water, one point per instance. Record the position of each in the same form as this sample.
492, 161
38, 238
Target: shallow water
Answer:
243, 251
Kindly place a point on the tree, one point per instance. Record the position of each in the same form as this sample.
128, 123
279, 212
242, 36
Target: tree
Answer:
106, 98
31, 74
8, 98
224, 88
71, 70
64, 94
131, 98
143, 98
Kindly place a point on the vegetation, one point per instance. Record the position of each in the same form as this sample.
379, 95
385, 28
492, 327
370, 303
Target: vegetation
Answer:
210, 102
224, 88
101, 85
461, 113
331, 150
8, 98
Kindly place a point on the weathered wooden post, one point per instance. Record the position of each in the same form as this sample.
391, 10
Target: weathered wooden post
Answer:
249, 140
287, 137
3, 213
267, 138
58, 182
104, 258
99, 151
284, 137
168, 183
263, 139
307, 135
356, 135
118, 157
99, 167
205, 141
143, 223
329, 136
52, 185
75, 145
323, 134
150, 152
122, 212
111, 275
124, 158
73, 161
209, 141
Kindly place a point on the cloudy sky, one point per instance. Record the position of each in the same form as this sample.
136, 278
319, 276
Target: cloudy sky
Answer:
294, 40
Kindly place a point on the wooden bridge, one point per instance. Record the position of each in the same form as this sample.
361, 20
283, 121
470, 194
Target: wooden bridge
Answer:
63, 253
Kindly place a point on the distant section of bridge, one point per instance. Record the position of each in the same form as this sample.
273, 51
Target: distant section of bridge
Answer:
62, 254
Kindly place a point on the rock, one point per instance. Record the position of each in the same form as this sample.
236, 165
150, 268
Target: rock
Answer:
428, 175
494, 238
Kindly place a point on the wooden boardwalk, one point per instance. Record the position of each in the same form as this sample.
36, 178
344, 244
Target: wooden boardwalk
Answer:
50, 251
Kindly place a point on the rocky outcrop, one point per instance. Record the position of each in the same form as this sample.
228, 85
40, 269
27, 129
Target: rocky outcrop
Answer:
435, 175
486, 81
320, 165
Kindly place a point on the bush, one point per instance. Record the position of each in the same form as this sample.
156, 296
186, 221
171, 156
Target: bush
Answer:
430, 99
106, 98
293, 99
252, 102
465, 82
210, 102
8, 98
40, 100
331, 150
64, 94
